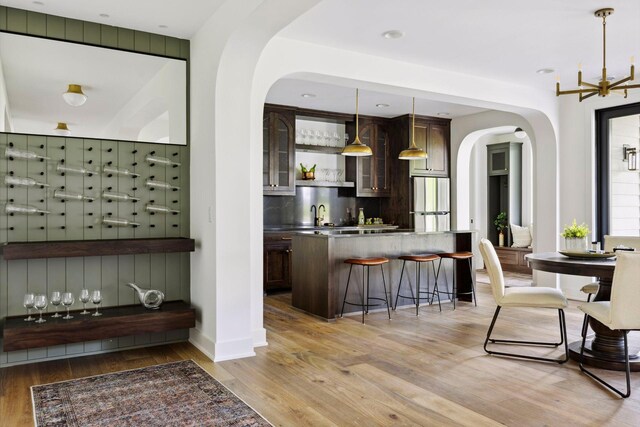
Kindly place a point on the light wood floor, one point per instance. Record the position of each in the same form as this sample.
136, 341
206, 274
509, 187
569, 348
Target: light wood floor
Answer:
428, 371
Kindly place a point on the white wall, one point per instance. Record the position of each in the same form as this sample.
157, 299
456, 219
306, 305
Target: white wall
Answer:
5, 110
625, 184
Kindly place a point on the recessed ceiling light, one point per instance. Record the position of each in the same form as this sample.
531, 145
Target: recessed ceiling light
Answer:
382, 105
163, 26
444, 113
392, 34
308, 95
104, 15
39, 3
545, 71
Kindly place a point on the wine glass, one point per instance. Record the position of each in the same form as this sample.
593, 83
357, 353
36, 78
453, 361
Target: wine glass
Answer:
84, 298
335, 139
55, 300
340, 175
67, 301
40, 304
96, 298
327, 139
28, 302
318, 137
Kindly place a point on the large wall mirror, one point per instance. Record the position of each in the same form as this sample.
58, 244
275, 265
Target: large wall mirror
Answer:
129, 96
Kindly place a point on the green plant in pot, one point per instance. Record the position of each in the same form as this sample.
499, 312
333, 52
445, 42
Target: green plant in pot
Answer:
501, 223
575, 236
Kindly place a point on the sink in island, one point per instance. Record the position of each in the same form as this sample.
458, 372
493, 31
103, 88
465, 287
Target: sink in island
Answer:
320, 275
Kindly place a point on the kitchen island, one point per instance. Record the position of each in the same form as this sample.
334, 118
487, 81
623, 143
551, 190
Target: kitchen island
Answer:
320, 275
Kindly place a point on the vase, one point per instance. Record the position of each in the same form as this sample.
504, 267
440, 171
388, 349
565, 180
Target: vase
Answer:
501, 239
579, 244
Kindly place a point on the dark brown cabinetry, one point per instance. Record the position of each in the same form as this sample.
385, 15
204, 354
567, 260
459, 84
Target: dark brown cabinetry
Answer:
513, 259
371, 173
433, 137
277, 261
278, 152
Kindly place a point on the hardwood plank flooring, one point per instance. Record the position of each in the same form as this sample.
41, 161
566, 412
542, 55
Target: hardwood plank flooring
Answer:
427, 370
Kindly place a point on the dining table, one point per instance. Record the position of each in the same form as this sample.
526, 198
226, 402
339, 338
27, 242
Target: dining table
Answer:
606, 348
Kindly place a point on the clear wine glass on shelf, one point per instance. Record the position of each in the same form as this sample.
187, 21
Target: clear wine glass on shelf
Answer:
55, 300
304, 136
298, 136
68, 300
327, 139
96, 298
28, 302
334, 175
84, 298
346, 139
340, 175
319, 138
41, 303
335, 139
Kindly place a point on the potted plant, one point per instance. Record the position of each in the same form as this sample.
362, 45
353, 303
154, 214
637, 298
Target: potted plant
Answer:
501, 223
575, 236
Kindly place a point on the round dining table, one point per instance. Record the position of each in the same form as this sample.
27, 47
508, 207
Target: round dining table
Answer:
606, 349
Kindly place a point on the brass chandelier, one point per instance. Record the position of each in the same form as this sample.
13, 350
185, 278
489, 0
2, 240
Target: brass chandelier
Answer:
604, 87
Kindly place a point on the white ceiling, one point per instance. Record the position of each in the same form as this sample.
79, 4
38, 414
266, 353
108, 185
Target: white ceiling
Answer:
498, 39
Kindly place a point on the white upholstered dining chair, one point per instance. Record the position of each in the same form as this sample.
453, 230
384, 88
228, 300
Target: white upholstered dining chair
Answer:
621, 312
531, 297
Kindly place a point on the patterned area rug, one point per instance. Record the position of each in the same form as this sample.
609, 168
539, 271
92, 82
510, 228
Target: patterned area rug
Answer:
172, 394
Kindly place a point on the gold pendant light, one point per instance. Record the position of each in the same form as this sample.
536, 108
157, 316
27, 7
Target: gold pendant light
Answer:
604, 87
413, 152
62, 129
357, 148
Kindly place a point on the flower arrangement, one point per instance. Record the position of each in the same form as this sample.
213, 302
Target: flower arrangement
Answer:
575, 231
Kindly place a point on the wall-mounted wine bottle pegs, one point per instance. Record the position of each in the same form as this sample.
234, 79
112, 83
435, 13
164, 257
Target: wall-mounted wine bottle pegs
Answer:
23, 182
74, 170
161, 161
161, 185
118, 222
11, 209
110, 170
12, 153
119, 197
68, 195
160, 209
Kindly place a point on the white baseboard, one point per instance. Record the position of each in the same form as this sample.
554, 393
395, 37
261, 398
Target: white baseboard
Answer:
260, 337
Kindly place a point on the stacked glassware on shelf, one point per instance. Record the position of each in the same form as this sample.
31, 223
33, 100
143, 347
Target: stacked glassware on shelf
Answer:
330, 175
320, 138
67, 299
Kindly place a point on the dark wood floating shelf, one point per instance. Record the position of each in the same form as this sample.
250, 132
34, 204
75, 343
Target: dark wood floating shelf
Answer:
115, 322
80, 248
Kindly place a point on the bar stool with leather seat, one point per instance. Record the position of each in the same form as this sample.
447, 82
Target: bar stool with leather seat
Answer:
419, 259
619, 313
530, 297
366, 263
456, 256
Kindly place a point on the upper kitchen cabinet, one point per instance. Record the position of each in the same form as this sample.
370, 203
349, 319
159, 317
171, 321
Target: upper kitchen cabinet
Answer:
278, 152
498, 158
371, 173
433, 136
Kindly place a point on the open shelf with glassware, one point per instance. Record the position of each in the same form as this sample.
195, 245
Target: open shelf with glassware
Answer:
114, 322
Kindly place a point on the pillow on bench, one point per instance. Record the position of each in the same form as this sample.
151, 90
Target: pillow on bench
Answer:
521, 236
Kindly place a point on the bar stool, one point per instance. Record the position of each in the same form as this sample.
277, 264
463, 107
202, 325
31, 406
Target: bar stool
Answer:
455, 256
419, 259
368, 263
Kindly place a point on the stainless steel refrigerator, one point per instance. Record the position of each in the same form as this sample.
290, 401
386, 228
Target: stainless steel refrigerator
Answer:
431, 206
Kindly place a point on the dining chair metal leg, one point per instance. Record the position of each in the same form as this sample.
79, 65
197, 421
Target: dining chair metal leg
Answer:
597, 378
563, 340
584, 322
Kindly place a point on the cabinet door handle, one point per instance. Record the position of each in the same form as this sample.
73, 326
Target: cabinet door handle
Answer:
285, 238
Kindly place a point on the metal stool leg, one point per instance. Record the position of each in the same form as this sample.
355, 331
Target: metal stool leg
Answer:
344, 300
384, 286
363, 306
473, 283
400, 284
435, 286
454, 294
417, 288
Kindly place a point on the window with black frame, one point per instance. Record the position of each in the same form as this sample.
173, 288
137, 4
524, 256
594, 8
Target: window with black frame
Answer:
618, 171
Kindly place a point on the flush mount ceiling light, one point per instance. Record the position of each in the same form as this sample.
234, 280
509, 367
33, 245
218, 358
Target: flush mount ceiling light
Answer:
62, 129
545, 71
104, 15
382, 105
519, 133
308, 95
74, 96
413, 152
393, 34
605, 86
444, 114
356, 148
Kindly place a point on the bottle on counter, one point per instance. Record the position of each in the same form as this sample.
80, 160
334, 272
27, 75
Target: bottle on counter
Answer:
361, 217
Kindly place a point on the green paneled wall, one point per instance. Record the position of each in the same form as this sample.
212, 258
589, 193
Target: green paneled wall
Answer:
76, 220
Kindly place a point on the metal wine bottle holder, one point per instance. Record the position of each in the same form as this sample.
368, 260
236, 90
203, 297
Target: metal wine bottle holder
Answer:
150, 298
